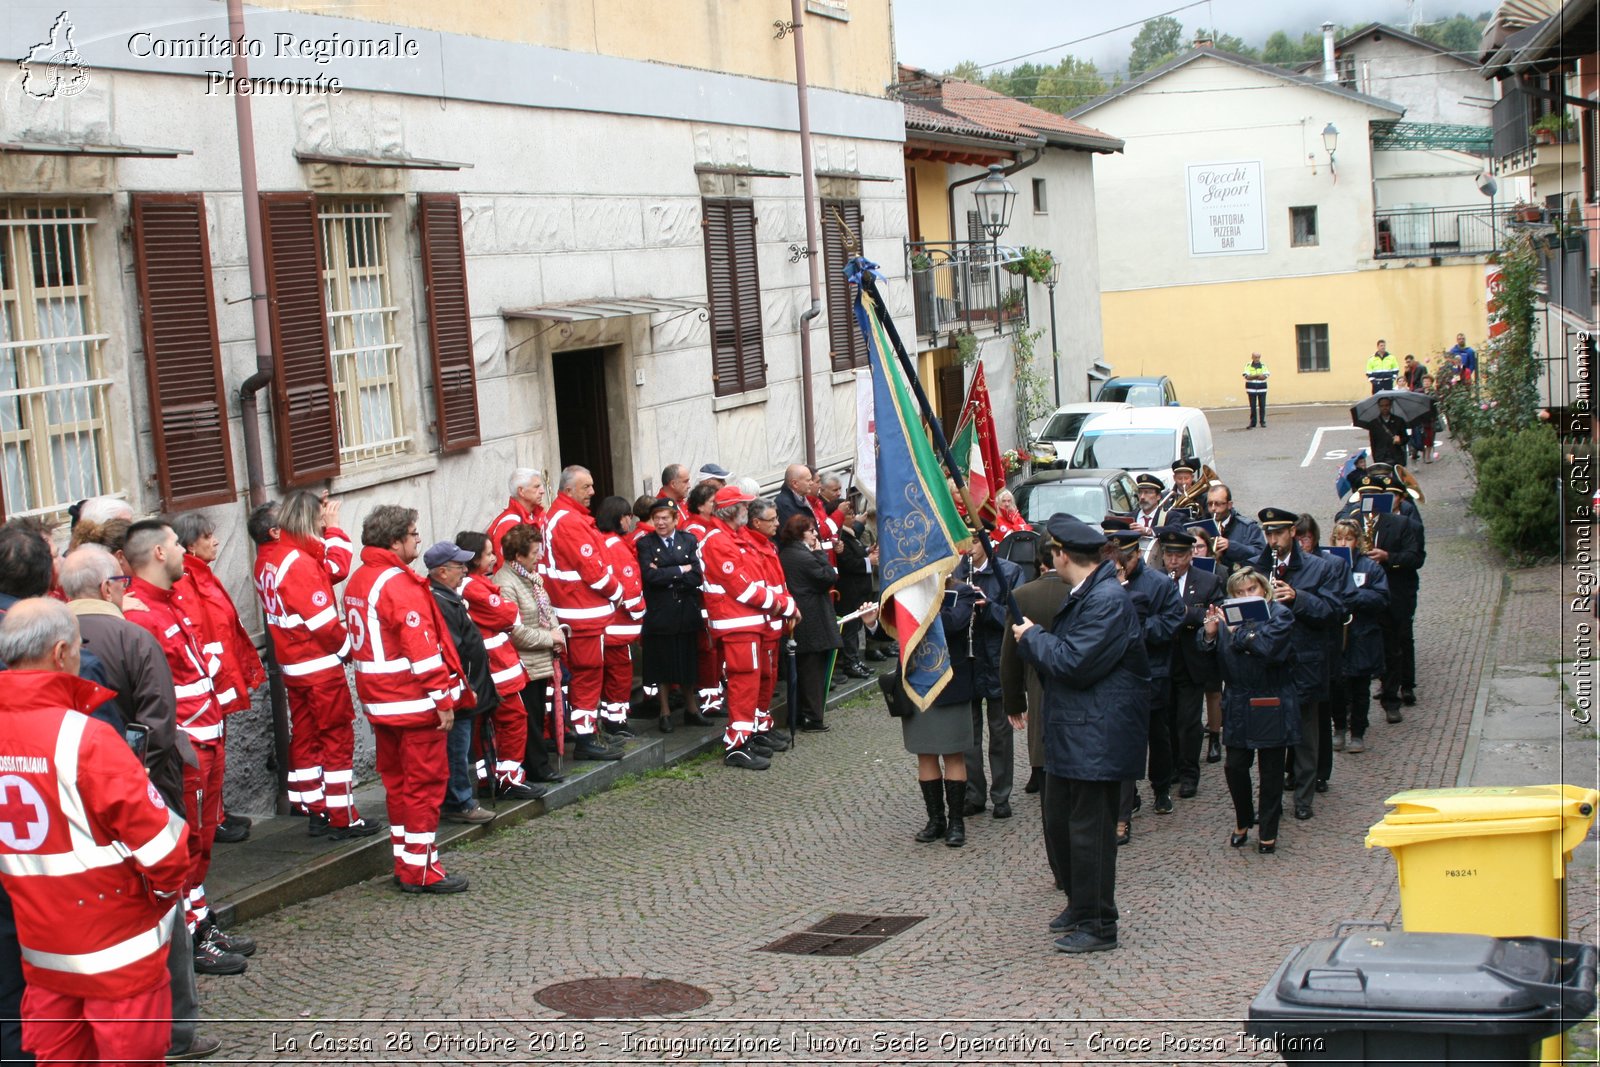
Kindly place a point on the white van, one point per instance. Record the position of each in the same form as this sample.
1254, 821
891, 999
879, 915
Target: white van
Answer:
1144, 441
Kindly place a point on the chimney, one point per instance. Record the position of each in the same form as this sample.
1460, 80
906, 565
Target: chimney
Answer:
1330, 72
1204, 39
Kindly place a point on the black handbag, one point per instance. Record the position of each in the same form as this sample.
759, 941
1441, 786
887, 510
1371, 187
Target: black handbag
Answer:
894, 695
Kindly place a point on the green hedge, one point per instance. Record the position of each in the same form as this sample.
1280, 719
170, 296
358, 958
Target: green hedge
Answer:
1516, 494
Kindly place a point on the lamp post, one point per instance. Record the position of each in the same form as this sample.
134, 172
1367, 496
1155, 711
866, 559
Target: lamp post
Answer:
1050, 280
1330, 141
995, 197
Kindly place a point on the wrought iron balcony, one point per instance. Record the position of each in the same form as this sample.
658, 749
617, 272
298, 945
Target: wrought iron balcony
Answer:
1472, 230
963, 285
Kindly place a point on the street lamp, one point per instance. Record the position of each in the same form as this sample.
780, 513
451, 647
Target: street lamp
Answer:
1330, 141
1050, 279
995, 196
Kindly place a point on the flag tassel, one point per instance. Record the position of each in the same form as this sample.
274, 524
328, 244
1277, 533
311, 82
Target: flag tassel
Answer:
869, 290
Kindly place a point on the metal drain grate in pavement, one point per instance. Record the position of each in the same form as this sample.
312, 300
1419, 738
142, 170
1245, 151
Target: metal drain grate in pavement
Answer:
621, 998
843, 934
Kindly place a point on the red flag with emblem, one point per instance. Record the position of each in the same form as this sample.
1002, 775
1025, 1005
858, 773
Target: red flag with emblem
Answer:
976, 445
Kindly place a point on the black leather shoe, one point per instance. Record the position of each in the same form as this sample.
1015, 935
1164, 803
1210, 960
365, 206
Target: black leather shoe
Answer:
1002, 809
1266, 850
317, 824
1187, 790
746, 758
1035, 780
546, 775
1081, 940
1302, 812
694, 718
231, 833
1213, 748
1238, 840
450, 883
200, 1048
588, 749
1392, 715
856, 669
1322, 785
522, 792
876, 655
664, 724
814, 727
973, 807
1061, 924
1408, 697
1163, 804
359, 828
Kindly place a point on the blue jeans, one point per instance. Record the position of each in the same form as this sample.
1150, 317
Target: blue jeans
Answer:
461, 793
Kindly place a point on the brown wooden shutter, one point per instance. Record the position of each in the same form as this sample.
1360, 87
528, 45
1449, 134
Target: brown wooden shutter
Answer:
444, 277
848, 349
733, 287
952, 393
189, 413
304, 416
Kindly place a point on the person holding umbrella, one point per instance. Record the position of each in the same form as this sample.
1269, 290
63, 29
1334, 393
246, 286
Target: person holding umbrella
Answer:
1388, 417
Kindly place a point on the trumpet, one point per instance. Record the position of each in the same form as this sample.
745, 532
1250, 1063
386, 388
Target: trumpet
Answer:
1195, 495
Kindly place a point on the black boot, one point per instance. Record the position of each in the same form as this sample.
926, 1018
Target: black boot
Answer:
955, 794
1213, 747
933, 798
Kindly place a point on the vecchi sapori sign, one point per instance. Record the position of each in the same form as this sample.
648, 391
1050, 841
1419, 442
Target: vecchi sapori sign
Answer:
1227, 209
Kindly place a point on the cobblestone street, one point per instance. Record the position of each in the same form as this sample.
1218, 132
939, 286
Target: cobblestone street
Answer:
686, 874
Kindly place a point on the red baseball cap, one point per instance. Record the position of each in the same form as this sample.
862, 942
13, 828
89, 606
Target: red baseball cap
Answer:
730, 495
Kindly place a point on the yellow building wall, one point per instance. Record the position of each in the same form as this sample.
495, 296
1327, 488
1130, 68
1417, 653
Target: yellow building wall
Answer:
855, 56
1202, 335
933, 205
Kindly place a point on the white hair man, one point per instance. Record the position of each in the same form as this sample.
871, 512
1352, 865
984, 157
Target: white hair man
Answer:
526, 505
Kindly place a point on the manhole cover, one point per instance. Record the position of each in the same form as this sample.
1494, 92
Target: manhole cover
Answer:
621, 998
843, 934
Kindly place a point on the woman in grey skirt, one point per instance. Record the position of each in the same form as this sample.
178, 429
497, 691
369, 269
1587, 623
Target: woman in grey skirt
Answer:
944, 730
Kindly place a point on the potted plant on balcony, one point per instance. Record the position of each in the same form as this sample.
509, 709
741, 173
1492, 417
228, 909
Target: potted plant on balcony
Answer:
1522, 211
1552, 127
1011, 303
1035, 264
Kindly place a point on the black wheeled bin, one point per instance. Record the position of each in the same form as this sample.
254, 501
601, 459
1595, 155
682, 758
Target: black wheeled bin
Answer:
1385, 996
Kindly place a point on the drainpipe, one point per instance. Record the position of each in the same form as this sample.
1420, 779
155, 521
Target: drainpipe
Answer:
808, 179
950, 193
245, 131
1330, 72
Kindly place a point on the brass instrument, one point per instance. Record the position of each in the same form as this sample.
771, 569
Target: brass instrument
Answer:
1280, 572
1195, 497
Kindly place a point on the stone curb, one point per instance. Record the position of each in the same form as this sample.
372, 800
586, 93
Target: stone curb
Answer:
1480, 704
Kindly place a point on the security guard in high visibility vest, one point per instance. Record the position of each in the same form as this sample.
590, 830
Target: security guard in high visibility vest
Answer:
1255, 387
1382, 369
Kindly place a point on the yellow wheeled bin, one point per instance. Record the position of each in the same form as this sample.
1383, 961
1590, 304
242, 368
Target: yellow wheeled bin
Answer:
1489, 860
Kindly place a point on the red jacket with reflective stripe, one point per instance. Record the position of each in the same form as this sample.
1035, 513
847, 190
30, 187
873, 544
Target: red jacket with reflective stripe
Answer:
407, 669
516, 514
294, 582
207, 602
583, 590
496, 616
623, 555
85, 843
161, 613
737, 597
771, 571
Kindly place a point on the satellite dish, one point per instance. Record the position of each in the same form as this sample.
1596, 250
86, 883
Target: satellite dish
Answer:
1486, 183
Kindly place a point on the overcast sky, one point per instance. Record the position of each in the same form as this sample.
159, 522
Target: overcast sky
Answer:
938, 34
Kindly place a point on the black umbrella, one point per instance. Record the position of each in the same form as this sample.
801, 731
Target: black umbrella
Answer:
789, 648
1410, 408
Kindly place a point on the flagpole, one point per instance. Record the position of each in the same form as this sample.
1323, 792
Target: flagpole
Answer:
869, 289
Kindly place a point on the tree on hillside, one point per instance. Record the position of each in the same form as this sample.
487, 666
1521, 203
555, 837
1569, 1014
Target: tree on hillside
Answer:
1158, 41
1460, 33
1227, 42
1069, 83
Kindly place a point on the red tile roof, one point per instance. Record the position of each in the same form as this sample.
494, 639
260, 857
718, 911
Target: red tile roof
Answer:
954, 106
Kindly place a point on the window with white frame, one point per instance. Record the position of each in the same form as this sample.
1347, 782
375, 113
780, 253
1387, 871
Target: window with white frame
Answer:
53, 426
363, 345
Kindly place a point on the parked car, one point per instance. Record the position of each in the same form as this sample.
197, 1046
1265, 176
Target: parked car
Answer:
1155, 392
1086, 495
1053, 445
1144, 440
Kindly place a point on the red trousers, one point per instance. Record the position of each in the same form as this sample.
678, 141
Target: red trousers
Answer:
585, 658
710, 678
741, 664
770, 641
58, 1028
616, 692
321, 749
510, 742
202, 788
415, 769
